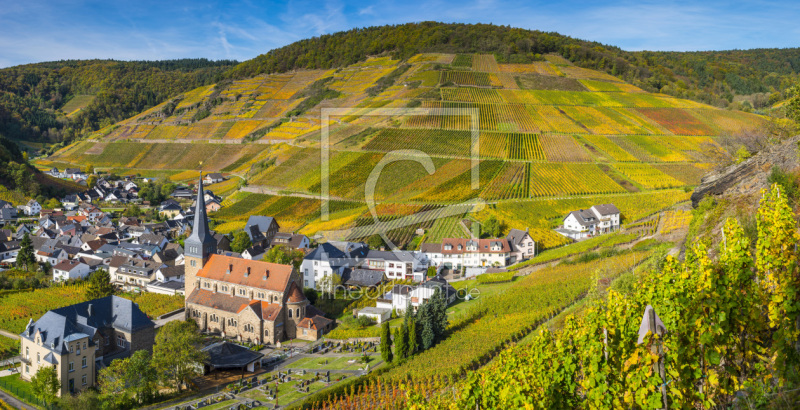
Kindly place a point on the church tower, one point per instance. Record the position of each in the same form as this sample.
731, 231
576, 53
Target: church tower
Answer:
201, 244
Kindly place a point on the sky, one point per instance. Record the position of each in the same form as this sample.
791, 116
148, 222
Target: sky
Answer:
36, 30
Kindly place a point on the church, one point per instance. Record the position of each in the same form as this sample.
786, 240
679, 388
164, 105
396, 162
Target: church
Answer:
247, 300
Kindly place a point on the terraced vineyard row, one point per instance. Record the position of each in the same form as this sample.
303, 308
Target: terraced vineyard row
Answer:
573, 179
510, 183
647, 176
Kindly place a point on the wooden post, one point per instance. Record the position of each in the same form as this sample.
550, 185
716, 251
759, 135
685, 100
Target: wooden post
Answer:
656, 348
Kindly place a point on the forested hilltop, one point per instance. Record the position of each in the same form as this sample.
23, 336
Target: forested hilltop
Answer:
56, 101
714, 77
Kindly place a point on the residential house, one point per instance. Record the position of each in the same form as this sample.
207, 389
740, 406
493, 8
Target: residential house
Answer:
291, 240
522, 245
70, 269
213, 178
8, 216
328, 259
32, 208
134, 275
399, 265
457, 253
261, 229
255, 253
213, 205
77, 339
402, 296
585, 223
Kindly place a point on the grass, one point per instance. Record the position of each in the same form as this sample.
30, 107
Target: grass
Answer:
18, 388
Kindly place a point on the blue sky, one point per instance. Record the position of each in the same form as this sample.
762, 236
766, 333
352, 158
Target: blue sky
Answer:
34, 30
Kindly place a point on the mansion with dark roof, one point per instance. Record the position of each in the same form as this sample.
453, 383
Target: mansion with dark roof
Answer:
76, 340
247, 300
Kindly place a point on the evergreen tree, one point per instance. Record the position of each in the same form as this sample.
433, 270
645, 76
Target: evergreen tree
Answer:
401, 343
99, 285
386, 343
439, 314
413, 340
25, 258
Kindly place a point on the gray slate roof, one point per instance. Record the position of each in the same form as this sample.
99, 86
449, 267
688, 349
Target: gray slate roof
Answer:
74, 322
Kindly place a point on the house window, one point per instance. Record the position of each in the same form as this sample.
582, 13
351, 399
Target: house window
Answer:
305, 332
83, 362
305, 283
298, 313
71, 366
108, 341
242, 292
290, 313
266, 332
120, 341
192, 262
83, 380
27, 369
84, 345
38, 358
28, 353
71, 348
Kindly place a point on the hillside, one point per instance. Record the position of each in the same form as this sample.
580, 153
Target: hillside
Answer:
58, 101
738, 78
552, 137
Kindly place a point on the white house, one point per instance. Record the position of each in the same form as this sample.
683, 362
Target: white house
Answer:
522, 245
585, 223
455, 253
395, 264
32, 208
402, 295
70, 269
331, 258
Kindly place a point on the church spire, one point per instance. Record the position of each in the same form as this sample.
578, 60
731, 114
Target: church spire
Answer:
201, 243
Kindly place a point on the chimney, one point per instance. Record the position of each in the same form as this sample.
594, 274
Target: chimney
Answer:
230, 268
246, 274
267, 275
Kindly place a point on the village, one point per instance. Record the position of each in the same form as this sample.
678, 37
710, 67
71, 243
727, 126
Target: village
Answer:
264, 337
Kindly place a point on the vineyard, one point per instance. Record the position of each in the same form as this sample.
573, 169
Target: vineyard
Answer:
17, 308
647, 176
674, 220
549, 132
570, 179
155, 304
488, 325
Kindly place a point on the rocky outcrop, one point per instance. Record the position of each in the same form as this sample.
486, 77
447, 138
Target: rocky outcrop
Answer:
750, 176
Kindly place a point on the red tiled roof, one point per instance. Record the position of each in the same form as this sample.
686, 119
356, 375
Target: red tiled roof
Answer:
295, 295
262, 275
484, 245
316, 322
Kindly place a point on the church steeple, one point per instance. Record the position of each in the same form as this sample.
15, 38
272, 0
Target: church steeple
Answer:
200, 245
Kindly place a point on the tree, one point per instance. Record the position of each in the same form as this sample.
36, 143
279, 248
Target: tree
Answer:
400, 343
491, 227
87, 400
89, 170
91, 181
45, 384
413, 340
129, 382
285, 256
439, 314
386, 343
431, 271
426, 323
99, 285
176, 356
793, 106
329, 282
25, 258
53, 203
240, 242
311, 295
375, 242
132, 210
